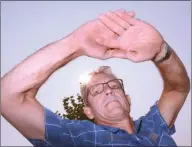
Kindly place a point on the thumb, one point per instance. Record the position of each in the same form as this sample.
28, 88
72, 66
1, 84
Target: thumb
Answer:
118, 53
134, 56
110, 43
124, 54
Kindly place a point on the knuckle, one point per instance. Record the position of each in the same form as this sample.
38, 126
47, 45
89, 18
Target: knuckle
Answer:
118, 30
126, 25
121, 14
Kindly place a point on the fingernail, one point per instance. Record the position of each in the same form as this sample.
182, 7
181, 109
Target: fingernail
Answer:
101, 16
109, 12
131, 13
122, 10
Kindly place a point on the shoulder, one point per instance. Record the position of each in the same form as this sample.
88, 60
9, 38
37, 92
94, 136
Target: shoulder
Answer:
154, 121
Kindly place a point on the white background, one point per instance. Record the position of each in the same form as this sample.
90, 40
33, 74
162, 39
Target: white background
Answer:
28, 26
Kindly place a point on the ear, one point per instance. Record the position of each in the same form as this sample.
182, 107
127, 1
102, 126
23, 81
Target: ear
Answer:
129, 99
88, 112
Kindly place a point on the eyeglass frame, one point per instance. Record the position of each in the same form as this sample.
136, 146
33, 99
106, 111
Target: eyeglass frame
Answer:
121, 84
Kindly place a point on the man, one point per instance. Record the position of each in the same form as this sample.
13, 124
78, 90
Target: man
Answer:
115, 34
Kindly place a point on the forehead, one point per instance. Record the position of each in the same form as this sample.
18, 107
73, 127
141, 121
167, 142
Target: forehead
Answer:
100, 78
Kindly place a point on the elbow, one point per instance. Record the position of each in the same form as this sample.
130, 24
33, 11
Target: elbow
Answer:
8, 91
188, 87
184, 86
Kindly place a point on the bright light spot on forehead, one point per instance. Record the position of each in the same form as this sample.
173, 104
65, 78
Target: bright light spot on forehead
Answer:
84, 78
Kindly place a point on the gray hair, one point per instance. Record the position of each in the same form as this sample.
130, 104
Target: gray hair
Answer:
83, 86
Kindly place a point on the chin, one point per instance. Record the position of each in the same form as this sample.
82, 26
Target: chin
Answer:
117, 114
117, 108
115, 111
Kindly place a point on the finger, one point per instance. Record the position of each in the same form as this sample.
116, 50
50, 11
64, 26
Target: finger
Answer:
121, 10
114, 17
124, 54
111, 24
130, 19
110, 43
130, 13
135, 56
106, 31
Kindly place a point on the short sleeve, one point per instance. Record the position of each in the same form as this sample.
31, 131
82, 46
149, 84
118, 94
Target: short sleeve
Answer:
55, 127
156, 122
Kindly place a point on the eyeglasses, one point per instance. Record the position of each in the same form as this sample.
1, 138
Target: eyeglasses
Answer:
99, 88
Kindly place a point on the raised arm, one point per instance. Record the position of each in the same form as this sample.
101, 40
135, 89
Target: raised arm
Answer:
140, 42
20, 85
176, 84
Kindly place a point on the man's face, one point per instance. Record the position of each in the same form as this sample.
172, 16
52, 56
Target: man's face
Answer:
112, 103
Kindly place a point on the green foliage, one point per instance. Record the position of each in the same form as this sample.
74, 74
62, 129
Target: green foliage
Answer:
75, 111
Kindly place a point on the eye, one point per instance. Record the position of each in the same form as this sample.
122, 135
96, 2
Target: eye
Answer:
95, 90
114, 84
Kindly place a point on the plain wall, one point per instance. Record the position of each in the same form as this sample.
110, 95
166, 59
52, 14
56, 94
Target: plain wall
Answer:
28, 26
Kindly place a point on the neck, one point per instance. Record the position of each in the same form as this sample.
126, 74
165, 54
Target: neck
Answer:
125, 124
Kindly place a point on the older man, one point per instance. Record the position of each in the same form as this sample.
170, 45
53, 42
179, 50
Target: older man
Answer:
114, 34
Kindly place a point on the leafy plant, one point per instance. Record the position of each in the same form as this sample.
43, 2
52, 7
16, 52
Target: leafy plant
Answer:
73, 110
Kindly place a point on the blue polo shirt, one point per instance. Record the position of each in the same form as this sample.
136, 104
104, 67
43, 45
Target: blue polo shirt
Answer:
151, 130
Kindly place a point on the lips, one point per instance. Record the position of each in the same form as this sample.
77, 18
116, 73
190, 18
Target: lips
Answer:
109, 100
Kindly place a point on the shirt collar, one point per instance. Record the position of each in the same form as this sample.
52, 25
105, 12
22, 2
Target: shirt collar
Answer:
110, 128
137, 125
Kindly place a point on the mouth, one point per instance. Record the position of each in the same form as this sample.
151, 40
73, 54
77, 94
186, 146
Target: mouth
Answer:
110, 99
110, 102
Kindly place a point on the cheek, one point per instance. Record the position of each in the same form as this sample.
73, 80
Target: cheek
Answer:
98, 101
121, 96
119, 93
95, 102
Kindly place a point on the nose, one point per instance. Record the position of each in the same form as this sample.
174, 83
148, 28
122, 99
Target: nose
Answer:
107, 90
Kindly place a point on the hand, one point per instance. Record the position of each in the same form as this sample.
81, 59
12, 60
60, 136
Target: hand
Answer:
138, 41
85, 37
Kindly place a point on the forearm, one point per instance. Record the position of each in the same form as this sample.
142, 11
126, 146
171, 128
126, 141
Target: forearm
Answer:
32, 72
174, 74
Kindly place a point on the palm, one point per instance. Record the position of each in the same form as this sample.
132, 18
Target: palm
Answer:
86, 35
141, 40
